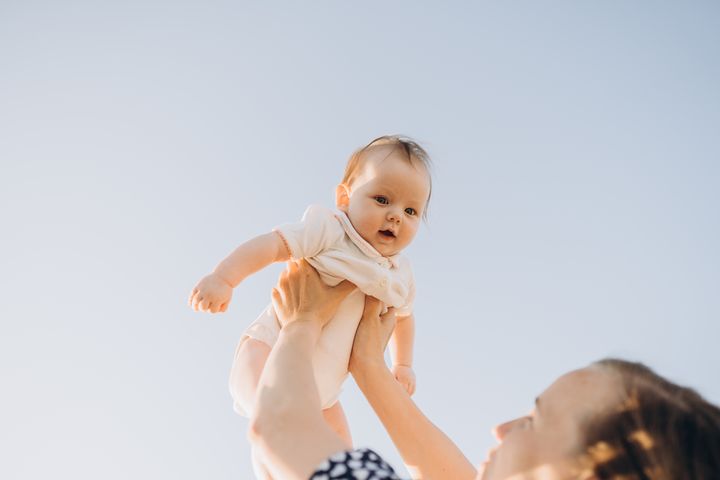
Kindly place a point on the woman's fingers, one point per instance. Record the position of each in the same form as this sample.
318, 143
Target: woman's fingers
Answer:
388, 324
306, 272
344, 289
310, 279
301, 293
276, 299
373, 306
294, 265
389, 316
283, 278
373, 334
281, 290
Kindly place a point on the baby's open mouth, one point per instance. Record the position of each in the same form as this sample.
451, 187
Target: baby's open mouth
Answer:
387, 233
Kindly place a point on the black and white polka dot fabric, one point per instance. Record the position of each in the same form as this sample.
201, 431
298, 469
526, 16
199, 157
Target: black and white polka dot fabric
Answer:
358, 464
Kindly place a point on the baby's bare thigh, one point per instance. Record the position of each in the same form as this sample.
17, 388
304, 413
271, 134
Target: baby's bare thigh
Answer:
335, 417
248, 365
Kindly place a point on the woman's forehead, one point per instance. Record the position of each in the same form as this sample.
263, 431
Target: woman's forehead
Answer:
583, 390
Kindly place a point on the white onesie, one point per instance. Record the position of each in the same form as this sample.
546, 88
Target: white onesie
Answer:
328, 241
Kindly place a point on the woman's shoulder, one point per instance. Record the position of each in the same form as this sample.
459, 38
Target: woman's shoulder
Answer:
360, 463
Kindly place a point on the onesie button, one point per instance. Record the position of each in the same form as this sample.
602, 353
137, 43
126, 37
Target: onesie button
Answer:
383, 282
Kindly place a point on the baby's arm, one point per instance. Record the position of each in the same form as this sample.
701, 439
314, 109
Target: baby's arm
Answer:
213, 293
401, 352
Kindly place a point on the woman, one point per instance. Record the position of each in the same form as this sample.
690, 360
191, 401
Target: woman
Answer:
611, 420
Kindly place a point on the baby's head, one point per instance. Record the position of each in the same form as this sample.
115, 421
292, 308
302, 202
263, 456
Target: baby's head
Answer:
386, 191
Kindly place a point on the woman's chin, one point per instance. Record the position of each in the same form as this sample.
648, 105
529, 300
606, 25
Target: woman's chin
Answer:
482, 468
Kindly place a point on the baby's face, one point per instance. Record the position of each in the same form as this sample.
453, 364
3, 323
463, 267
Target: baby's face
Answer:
386, 201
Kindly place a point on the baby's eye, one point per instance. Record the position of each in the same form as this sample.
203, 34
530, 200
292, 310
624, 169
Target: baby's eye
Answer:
381, 200
410, 211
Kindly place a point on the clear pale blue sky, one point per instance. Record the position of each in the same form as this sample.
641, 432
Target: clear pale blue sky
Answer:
574, 216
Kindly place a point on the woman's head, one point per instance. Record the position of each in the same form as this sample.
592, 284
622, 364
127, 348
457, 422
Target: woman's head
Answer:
613, 420
660, 431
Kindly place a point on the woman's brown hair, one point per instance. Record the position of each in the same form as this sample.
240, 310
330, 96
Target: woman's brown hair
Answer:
662, 431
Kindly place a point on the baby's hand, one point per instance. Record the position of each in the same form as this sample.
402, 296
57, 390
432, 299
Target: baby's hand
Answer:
405, 376
211, 294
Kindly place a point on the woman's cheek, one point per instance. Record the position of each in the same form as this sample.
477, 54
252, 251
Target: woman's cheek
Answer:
515, 457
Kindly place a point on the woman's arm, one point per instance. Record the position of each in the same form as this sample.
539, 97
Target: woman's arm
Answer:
287, 424
427, 452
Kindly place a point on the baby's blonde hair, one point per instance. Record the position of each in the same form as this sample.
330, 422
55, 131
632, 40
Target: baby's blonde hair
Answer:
413, 152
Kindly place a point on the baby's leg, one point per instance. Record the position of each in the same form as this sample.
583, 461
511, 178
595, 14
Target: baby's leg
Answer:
247, 367
249, 362
261, 473
335, 417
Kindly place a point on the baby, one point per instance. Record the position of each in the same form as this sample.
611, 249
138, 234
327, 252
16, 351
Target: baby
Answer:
383, 195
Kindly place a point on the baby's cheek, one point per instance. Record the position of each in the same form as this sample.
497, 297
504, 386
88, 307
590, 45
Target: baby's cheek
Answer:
411, 231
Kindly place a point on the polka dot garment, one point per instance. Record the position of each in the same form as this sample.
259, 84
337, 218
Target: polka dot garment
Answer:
358, 464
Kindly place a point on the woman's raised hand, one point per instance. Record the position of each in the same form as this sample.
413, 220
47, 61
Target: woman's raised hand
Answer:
300, 295
372, 335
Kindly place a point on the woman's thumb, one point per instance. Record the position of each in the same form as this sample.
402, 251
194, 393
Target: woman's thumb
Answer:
343, 289
388, 318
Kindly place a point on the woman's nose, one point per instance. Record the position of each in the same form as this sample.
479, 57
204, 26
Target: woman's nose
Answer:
500, 431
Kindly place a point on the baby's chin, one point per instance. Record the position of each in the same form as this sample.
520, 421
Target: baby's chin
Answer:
386, 252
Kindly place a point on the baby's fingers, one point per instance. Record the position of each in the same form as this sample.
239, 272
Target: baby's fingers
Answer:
196, 301
205, 305
192, 295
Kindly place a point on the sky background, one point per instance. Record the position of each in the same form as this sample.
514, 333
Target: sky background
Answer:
574, 212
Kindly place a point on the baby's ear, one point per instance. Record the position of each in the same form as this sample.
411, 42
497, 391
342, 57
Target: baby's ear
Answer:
342, 197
